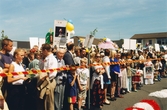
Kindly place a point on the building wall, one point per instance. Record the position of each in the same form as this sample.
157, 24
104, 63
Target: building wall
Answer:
23, 44
145, 41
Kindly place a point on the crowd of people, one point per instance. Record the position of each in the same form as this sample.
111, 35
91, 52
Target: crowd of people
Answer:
106, 78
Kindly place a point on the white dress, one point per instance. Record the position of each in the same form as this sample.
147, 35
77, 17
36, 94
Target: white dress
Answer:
124, 78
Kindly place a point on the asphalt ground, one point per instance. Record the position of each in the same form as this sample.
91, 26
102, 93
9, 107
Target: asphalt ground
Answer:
131, 98
134, 97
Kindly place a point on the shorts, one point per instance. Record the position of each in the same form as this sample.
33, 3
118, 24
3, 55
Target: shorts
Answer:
82, 94
114, 77
72, 100
109, 82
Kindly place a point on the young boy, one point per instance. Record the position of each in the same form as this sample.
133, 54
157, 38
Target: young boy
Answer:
83, 81
70, 90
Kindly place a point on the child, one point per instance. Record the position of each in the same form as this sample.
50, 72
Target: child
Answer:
136, 78
158, 69
129, 73
83, 81
70, 90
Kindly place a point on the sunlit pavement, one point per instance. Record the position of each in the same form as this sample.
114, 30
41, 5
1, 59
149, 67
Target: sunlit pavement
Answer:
131, 98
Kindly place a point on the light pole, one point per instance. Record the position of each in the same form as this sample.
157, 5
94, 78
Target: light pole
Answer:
2, 34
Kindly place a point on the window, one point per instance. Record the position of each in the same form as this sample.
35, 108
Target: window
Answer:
159, 41
139, 40
162, 41
150, 42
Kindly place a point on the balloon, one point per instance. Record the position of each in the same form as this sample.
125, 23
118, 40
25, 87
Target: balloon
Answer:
70, 21
69, 27
108, 40
87, 50
72, 32
104, 39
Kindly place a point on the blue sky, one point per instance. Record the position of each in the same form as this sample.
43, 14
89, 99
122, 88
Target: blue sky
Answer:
115, 19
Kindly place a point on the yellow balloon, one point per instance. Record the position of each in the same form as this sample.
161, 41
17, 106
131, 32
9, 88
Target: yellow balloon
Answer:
104, 39
87, 50
69, 27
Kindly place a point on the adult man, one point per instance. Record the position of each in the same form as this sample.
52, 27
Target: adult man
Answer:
77, 56
83, 52
5, 57
5, 60
46, 84
60, 81
68, 57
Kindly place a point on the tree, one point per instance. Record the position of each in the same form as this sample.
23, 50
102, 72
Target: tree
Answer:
3, 36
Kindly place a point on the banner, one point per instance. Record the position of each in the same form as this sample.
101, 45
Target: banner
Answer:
33, 41
60, 33
157, 48
148, 72
41, 41
129, 44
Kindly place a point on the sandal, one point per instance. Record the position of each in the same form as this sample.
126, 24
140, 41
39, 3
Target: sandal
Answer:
112, 98
107, 102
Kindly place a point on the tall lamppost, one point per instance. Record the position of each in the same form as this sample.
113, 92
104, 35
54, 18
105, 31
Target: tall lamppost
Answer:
2, 34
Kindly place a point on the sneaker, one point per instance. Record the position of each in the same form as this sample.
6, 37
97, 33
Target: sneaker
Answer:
128, 91
135, 90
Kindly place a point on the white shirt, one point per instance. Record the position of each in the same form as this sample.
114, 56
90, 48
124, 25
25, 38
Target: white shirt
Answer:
50, 62
148, 63
83, 74
106, 59
97, 76
18, 68
165, 57
141, 57
139, 72
77, 60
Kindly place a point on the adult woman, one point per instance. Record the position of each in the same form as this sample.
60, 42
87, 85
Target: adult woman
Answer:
97, 83
16, 90
106, 75
31, 87
122, 77
114, 71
